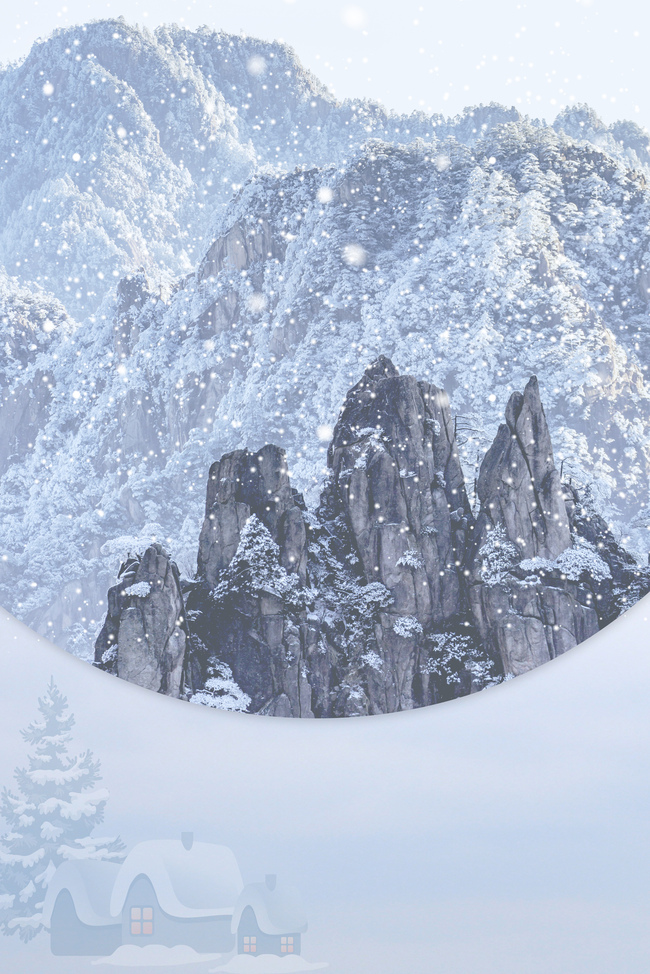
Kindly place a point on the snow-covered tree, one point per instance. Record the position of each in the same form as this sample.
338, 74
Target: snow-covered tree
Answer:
51, 816
256, 567
454, 658
221, 691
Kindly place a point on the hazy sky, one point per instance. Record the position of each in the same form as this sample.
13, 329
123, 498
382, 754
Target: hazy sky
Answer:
502, 833
415, 53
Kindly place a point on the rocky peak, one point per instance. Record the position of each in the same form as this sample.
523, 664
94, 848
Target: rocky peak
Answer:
398, 481
243, 484
519, 487
381, 368
252, 570
143, 638
526, 605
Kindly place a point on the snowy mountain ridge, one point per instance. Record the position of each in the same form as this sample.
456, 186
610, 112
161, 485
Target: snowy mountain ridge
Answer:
474, 252
117, 145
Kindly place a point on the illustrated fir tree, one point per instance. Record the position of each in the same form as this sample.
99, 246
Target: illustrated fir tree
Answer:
51, 817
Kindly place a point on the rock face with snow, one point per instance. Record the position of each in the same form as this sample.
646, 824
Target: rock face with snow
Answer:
398, 482
143, 639
391, 595
397, 502
524, 519
519, 486
252, 562
254, 621
324, 614
242, 484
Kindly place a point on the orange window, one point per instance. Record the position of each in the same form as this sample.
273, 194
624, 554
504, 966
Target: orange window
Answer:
286, 945
250, 945
141, 921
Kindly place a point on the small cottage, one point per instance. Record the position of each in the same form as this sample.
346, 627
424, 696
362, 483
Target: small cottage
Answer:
165, 892
169, 892
268, 919
77, 909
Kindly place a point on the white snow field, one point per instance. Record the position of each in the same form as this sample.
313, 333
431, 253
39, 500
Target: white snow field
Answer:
266, 964
503, 832
154, 955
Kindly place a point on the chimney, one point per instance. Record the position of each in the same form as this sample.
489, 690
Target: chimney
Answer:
187, 838
270, 879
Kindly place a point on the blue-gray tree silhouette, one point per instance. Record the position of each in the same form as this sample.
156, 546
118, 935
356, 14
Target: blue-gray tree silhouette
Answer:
51, 816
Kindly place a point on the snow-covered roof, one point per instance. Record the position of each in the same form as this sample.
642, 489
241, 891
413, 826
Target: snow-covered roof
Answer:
201, 881
90, 885
277, 911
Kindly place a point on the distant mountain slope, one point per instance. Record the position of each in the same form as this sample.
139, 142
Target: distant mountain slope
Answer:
117, 145
472, 261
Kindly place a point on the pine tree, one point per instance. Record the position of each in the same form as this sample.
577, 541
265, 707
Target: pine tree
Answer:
256, 566
221, 691
50, 819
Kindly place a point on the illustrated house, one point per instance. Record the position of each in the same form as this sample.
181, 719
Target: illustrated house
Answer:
77, 909
268, 919
169, 892
165, 892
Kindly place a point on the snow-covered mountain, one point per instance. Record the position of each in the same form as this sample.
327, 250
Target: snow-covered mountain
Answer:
117, 146
268, 243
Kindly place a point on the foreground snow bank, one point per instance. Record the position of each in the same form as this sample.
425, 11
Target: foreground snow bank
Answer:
155, 955
266, 964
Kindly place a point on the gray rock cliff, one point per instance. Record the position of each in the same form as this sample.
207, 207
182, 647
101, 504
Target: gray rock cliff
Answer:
529, 617
398, 496
392, 594
143, 639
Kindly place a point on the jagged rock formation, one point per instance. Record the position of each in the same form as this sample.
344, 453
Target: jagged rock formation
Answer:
524, 517
397, 481
253, 561
397, 502
391, 595
143, 639
519, 486
242, 484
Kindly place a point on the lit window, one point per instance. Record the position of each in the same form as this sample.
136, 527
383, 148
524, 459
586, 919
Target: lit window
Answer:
250, 945
286, 945
141, 921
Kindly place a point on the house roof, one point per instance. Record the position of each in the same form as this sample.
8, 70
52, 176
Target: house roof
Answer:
201, 881
90, 885
277, 911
